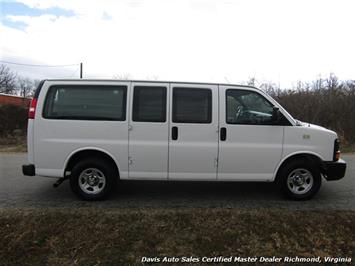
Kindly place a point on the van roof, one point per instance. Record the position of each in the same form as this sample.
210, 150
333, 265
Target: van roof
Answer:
157, 81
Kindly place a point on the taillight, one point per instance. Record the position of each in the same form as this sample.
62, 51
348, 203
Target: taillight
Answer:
32, 110
336, 153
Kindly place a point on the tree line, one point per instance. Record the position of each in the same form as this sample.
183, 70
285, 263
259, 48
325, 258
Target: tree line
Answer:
14, 84
327, 102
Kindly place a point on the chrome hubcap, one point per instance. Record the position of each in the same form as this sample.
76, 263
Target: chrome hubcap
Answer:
92, 181
300, 181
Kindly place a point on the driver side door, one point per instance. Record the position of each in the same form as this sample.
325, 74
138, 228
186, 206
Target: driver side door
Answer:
250, 143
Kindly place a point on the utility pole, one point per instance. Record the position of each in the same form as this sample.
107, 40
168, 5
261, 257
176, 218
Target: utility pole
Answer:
81, 70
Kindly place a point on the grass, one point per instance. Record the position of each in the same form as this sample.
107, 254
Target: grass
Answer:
122, 236
350, 148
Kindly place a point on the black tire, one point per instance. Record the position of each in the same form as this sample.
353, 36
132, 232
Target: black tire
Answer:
289, 172
98, 168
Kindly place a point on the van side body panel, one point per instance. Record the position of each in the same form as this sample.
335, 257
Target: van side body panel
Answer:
56, 139
193, 154
312, 139
148, 141
30, 140
250, 152
307, 140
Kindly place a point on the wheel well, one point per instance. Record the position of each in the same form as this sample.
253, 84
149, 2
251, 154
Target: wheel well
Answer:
80, 155
304, 156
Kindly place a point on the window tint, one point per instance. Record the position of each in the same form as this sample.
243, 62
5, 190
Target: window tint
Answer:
149, 104
86, 102
247, 107
191, 105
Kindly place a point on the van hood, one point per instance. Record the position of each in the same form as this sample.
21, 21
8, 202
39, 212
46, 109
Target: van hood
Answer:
304, 124
312, 126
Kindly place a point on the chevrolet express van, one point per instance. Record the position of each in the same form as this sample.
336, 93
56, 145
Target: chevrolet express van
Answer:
97, 132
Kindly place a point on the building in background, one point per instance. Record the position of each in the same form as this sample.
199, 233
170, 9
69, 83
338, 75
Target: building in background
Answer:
6, 99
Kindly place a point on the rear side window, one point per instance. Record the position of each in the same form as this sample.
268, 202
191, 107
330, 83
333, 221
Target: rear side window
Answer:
149, 104
191, 105
86, 102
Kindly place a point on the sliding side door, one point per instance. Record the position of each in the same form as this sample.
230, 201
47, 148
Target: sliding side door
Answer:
193, 137
148, 131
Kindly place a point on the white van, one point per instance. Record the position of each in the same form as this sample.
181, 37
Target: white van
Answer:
95, 132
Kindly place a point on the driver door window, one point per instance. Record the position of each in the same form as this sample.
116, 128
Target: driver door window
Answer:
248, 108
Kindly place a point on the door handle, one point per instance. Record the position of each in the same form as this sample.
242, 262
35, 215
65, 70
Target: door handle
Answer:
174, 133
223, 135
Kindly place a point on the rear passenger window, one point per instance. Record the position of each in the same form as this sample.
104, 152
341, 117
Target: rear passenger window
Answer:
86, 102
191, 105
149, 104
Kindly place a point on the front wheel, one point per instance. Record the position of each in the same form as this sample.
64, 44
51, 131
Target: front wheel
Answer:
92, 179
299, 180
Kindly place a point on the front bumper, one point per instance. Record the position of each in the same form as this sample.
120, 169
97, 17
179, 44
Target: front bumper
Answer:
334, 170
29, 170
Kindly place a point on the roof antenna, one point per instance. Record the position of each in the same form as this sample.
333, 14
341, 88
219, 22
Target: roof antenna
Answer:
81, 70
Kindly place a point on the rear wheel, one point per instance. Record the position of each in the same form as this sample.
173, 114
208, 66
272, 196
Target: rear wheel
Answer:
92, 179
299, 180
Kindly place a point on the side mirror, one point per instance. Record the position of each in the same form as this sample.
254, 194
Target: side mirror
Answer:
276, 115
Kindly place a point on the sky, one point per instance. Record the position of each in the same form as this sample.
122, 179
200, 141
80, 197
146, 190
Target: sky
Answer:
280, 41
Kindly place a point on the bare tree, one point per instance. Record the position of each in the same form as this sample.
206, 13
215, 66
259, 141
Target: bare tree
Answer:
270, 88
35, 86
25, 86
7, 80
318, 84
124, 76
152, 77
252, 81
332, 81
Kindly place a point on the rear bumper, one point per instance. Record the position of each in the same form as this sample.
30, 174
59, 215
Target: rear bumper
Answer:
334, 170
29, 170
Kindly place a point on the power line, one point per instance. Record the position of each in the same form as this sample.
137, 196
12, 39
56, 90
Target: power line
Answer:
32, 65
76, 70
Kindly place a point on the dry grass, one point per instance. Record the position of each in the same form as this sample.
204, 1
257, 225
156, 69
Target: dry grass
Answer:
13, 144
122, 236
